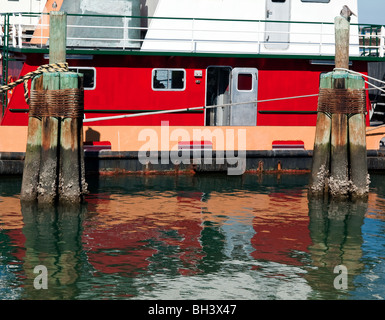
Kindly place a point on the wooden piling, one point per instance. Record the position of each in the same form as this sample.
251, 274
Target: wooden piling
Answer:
30, 180
48, 182
340, 164
339, 137
54, 166
71, 173
57, 36
342, 34
321, 150
357, 146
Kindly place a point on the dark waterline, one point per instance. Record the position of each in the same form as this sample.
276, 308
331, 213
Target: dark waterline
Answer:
194, 237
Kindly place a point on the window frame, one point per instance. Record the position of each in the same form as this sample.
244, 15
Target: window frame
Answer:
85, 68
251, 82
168, 69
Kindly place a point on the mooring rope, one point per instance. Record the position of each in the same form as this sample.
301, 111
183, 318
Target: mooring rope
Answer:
53, 67
193, 108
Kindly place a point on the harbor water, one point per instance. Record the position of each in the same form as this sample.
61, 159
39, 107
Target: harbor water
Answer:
194, 237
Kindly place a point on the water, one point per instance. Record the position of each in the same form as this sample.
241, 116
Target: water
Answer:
194, 237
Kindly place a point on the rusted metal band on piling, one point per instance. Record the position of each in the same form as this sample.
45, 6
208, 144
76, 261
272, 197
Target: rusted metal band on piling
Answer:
342, 101
65, 103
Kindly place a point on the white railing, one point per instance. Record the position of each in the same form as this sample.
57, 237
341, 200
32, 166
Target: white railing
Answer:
193, 35
372, 40
2, 25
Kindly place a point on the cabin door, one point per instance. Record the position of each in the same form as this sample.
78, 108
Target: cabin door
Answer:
226, 86
244, 92
217, 94
277, 35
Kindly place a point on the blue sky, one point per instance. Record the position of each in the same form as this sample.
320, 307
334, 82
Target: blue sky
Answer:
371, 11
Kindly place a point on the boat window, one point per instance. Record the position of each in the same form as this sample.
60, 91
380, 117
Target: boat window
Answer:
318, 1
245, 82
89, 76
278, 0
168, 79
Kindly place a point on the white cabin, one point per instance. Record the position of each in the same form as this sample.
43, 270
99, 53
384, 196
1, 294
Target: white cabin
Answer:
18, 6
22, 5
242, 26
257, 27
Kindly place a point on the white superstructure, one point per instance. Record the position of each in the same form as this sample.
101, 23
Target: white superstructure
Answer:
248, 26
22, 5
266, 27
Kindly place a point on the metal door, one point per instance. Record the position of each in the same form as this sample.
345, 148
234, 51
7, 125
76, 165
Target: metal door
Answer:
244, 89
277, 35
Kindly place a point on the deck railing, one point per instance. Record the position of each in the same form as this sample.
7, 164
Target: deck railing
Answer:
31, 30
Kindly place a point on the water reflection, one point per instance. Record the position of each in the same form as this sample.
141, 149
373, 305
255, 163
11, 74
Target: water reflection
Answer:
52, 239
282, 233
335, 230
209, 228
200, 237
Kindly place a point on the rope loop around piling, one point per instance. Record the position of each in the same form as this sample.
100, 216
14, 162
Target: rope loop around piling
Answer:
53, 67
343, 101
65, 103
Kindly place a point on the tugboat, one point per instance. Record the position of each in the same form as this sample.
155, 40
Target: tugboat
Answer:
245, 73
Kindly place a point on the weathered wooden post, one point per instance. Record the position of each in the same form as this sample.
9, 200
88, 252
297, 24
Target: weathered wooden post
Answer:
72, 183
321, 150
339, 136
55, 140
57, 36
359, 177
339, 158
33, 153
49, 144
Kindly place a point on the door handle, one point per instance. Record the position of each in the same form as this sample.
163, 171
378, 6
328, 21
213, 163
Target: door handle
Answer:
268, 13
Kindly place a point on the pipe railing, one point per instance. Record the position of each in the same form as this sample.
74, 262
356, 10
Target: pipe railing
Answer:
190, 34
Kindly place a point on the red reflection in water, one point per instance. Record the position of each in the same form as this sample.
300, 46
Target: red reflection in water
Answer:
126, 246
283, 230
